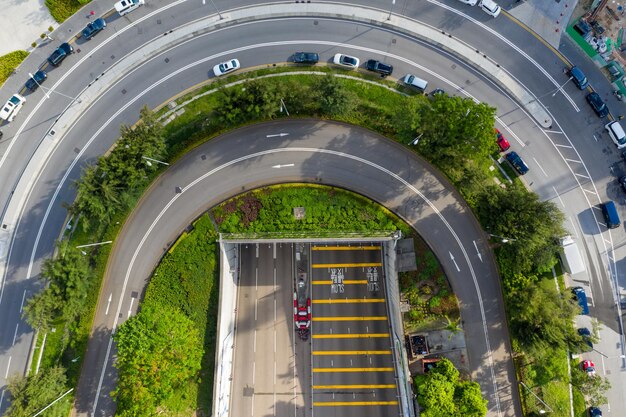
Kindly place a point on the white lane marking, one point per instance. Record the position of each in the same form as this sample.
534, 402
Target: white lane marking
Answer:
15, 334
253, 372
130, 308
283, 165
257, 250
274, 377
274, 341
452, 258
574, 161
558, 145
477, 251
553, 131
540, 167
22, 303
277, 135
254, 342
512, 46
558, 196
274, 280
1, 397
106, 313
6, 374
594, 136
256, 279
274, 253
256, 306
274, 319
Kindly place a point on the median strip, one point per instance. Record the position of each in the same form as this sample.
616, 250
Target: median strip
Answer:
349, 300
345, 248
354, 403
347, 281
349, 335
380, 386
352, 370
345, 318
348, 265
351, 352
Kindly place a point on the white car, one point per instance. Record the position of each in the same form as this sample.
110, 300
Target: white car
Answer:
12, 106
490, 7
226, 67
470, 2
346, 61
126, 6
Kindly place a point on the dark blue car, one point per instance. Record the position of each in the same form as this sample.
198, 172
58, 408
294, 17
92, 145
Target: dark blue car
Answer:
60, 53
34, 81
581, 297
596, 103
93, 28
517, 162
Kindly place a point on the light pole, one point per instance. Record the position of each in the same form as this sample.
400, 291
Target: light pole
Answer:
393, 2
39, 85
561, 87
94, 244
283, 107
150, 160
417, 139
540, 400
216, 9
504, 239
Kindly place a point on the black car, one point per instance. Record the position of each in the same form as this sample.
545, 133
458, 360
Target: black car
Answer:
60, 53
379, 67
517, 162
586, 336
306, 58
34, 81
597, 104
93, 28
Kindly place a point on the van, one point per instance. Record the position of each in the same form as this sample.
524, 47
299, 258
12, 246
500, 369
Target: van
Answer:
413, 81
610, 215
126, 6
12, 107
616, 132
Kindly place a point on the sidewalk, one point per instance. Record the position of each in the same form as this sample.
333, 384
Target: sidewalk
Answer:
548, 18
22, 22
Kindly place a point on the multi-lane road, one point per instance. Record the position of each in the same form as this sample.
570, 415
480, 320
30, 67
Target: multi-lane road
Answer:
573, 164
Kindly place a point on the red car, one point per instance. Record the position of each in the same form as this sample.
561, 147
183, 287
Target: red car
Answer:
502, 142
589, 367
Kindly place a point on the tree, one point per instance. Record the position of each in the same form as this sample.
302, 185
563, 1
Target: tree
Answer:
41, 310
437, 396
158, 350
332, 97
469, 400
31, 394
94, 202
594, 388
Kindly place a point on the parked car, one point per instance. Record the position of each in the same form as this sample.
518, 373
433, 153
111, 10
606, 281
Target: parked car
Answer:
490, 7
126, 6
60, 54
502, 142
33, 82
379, 67
306, 58
437, 91
346, 61
226, 67
585, 334
589, 367
595, 412
470, 2
517, 162
93, 28
581, 296
597, 104
616, 133
12, 107
415, 82
611, 217
578, 77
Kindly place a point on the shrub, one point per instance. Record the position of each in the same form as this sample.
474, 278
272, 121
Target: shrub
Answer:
10, 61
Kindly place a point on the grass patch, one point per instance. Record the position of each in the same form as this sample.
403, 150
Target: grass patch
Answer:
9, 62
63, 9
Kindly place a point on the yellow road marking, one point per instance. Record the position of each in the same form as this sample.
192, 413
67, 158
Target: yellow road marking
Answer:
354, 386
352, 369
347, 281
539, 38
350, 265
349, 335
360, 318
345, 248
349, 300
347, 403
351, 352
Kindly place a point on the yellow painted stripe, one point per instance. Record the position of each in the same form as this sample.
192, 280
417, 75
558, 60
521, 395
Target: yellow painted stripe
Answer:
349, 300
346, 281
352, 369
344, 318
349, 335
350, 265
355, 403
354, 386
351, 352
345, 248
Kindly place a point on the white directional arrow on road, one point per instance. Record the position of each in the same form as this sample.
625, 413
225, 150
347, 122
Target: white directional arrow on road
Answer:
106, 313
277, 135
283, 166
452, 257
477, 251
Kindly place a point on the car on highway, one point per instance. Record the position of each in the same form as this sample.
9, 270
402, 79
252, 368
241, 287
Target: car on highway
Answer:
578, 77
503, 144
226, 67
126, 6
589, 367
415, 82
596, 103
517, 162
581, 297
12, 107
470, 2
60, 54
33, 82
490, 7
616, 133
306, 58
595, 412
585, 334
346, 61
93, 28
379, 67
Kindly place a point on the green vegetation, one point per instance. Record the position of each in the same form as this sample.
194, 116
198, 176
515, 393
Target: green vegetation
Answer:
31, 394
9, 62
63, 9
442, 393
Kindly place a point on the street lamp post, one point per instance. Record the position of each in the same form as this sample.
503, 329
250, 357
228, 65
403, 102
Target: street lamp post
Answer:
283, 107
561, 87
540, 400
393, 2
504, 239
150, 160
216, 9
39, 85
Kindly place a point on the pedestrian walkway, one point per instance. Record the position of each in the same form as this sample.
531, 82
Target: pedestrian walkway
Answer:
22, 23
547, 18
